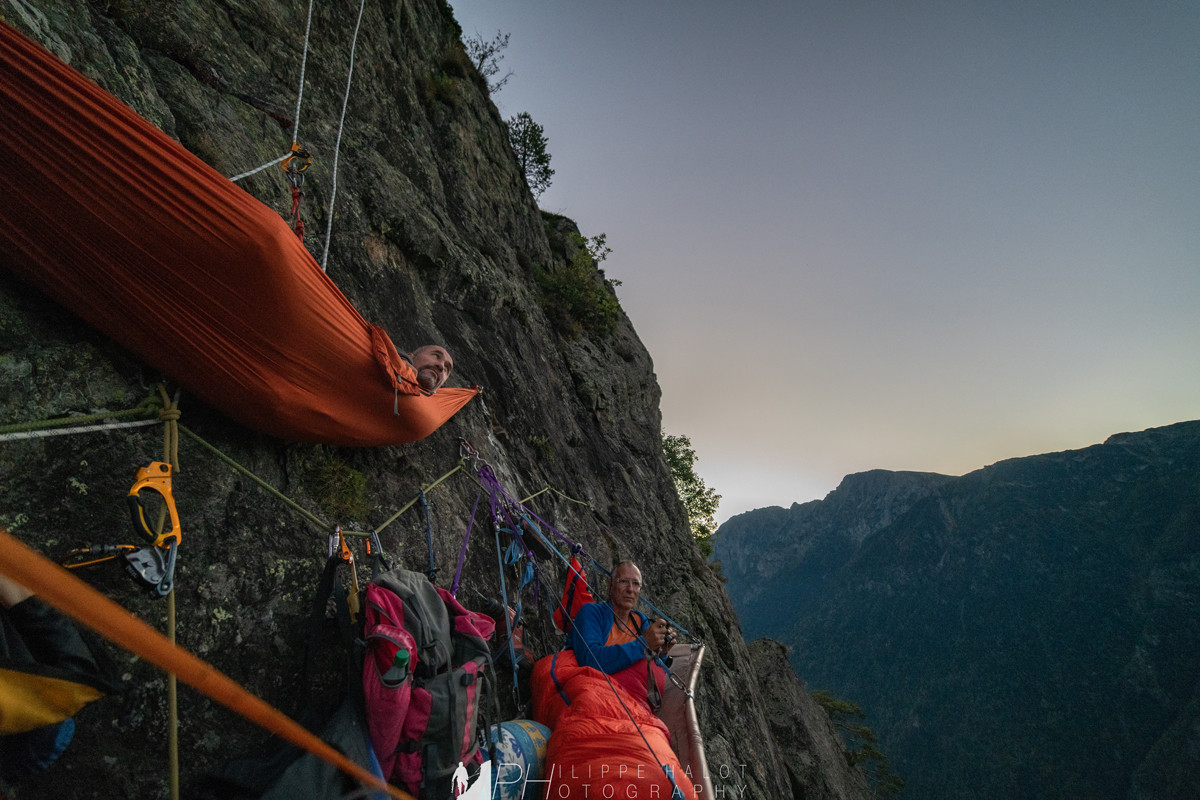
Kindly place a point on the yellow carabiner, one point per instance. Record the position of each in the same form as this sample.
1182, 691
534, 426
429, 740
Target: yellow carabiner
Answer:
347, 556
299, 154
154, 477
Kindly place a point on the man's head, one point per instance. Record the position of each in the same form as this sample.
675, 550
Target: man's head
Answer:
433, 366
624, 588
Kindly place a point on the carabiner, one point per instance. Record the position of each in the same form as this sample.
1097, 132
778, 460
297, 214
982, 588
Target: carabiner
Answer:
296, 163
154, 477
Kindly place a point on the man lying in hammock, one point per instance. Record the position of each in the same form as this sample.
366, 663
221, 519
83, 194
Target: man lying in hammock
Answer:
615, 638
433, 365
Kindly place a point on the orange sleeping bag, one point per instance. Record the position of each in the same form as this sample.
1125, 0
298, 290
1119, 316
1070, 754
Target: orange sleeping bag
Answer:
148, 244
596, 746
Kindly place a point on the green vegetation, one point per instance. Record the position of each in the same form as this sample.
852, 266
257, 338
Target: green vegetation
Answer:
340, 490
577, 297
440, 87
862, 748
541, 445
455, 62
529, 142
700, 501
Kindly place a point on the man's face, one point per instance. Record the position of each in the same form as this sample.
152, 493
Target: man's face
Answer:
433, 366
624, 589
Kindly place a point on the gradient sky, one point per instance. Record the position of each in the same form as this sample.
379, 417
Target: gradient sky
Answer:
901, 235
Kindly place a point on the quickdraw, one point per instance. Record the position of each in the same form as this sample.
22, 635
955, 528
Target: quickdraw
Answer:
340, 548
295, 165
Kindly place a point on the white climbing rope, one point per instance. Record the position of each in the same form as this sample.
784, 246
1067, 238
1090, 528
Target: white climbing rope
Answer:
338, 142
299, 100
18, 435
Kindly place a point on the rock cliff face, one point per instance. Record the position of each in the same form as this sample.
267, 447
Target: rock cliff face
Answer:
1031, 629
435, 238
816, 761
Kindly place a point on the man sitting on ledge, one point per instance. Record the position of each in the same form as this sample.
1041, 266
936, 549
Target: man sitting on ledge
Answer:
620, 641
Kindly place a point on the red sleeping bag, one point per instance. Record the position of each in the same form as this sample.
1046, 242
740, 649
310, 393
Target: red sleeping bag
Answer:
604, 743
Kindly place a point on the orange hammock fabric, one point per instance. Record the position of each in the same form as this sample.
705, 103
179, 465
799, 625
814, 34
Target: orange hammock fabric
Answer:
123, 226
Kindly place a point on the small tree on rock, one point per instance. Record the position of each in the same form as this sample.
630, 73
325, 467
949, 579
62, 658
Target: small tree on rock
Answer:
700, 501
486, 57
529, 142
861, 744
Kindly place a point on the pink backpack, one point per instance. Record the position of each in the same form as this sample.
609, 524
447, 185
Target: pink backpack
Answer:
426, 654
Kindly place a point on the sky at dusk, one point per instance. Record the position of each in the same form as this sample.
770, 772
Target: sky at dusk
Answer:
857, 235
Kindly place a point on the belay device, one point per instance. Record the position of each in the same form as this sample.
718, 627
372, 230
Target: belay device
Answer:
150, 496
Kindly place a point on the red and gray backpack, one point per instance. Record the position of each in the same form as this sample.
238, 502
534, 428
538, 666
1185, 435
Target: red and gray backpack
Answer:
426, 656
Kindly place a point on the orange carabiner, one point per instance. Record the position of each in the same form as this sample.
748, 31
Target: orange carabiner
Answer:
154, 477
347, 556
299, 154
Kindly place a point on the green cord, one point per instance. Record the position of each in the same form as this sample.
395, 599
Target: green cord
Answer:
412, 502
325, 526
148, 407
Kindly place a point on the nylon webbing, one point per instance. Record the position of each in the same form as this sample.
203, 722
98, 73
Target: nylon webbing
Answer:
504, 592
77, 600
432, 574
462, 554
289, 502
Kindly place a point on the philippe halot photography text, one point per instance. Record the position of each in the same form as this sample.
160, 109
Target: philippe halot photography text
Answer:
616, 781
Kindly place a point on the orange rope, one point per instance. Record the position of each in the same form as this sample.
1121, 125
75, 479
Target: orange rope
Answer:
76, 599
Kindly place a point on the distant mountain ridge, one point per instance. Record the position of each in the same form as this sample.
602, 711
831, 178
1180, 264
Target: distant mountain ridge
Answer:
1028, 630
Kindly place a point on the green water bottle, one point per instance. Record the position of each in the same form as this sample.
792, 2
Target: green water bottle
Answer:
399, 669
